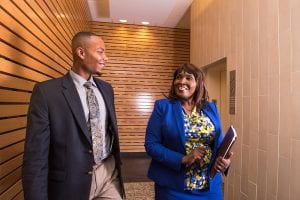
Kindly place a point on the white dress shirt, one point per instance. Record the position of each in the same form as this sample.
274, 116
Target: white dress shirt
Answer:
81, 89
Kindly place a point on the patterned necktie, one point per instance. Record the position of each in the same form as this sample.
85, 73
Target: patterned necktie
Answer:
94, 122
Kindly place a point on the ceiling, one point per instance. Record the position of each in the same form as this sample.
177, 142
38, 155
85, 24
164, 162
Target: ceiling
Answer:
163, 13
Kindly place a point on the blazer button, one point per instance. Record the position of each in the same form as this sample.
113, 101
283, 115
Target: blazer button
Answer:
90, 172
91, 151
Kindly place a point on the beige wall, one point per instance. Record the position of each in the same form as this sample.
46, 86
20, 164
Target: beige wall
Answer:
260, 39
216, 81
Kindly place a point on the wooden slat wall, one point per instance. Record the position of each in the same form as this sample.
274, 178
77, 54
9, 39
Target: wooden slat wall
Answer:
140, 68
35, 46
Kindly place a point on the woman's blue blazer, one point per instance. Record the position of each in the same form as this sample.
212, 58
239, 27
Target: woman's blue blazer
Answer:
165, 143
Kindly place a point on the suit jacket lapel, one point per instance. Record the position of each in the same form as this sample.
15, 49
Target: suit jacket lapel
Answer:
74, 102
210, 113
107, 96
177, 109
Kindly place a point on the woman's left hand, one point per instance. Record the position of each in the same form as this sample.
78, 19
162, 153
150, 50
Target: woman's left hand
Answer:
223, 163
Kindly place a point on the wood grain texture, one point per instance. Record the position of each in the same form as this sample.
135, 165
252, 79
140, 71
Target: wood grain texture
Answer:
35, 42
35, 46
141, 62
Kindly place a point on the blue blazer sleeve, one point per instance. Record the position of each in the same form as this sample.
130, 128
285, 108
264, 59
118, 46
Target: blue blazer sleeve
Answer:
153, 141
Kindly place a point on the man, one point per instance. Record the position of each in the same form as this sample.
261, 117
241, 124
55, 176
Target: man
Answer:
72, 146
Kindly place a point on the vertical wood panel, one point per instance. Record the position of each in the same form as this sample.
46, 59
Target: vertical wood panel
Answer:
260, 40
35, 43
141, 61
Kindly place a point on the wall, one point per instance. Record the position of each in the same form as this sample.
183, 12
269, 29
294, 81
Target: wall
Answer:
141, 62
216, 81
35, 46
260, 39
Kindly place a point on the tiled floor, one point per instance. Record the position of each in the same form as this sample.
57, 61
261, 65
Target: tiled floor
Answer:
139, 191
134, 171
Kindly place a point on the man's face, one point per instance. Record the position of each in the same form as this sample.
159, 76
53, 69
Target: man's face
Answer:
94, 58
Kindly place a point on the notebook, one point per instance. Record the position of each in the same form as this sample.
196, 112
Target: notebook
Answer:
226, 145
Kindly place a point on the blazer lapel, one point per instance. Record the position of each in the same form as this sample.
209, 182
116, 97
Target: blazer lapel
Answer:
210, 113
177, 109
74, 102
107, 96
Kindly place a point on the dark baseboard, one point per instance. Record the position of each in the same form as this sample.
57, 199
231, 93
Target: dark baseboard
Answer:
135, 166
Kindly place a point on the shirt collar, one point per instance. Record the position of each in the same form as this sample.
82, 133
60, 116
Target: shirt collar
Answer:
79, 81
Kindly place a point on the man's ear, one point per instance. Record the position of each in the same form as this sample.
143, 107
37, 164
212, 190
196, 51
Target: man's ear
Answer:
80, 52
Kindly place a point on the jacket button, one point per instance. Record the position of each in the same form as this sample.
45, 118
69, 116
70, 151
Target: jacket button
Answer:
90, 151
90, 172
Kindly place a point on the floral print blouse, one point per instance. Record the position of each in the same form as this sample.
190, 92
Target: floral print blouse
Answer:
199, 132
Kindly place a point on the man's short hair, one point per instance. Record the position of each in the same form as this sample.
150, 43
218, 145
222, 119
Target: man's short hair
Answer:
78, 38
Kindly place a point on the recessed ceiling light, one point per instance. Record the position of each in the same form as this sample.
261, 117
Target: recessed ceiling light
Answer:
123, 20
145, 23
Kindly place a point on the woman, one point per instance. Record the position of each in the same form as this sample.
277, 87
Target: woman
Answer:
182, 137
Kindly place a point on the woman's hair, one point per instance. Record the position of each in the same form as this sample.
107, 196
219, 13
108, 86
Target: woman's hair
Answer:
201, 94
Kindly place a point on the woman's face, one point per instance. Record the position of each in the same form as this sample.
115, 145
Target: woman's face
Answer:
185, 85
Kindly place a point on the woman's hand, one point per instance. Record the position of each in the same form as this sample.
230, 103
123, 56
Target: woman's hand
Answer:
195, 155
222, 164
